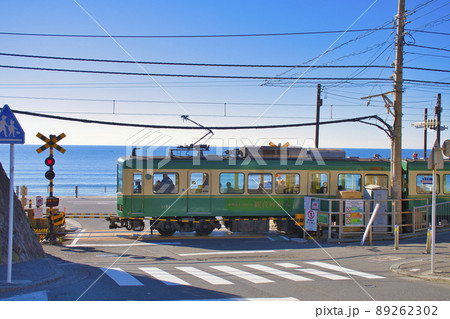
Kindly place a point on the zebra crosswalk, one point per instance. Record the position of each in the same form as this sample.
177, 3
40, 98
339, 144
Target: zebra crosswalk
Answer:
231, 275
256, 279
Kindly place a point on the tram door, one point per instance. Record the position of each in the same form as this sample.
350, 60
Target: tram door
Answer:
137, 201
199, 194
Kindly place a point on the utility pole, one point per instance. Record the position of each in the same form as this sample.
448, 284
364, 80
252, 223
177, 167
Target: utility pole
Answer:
425, 118
438, 111
396, 158
318, 105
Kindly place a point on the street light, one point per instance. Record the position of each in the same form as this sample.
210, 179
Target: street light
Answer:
429, 124
435, 162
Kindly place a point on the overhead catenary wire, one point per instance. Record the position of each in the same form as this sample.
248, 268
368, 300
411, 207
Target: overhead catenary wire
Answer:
363, 119
200, 103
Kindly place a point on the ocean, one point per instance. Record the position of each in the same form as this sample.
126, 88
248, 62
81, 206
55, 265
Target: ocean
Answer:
93, 168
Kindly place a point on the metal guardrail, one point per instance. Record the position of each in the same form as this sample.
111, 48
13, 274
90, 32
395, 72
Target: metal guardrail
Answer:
422, 215
334, 216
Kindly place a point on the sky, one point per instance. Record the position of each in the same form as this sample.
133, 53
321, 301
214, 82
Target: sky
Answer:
162, 100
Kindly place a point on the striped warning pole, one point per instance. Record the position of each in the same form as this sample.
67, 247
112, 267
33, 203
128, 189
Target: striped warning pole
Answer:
396, 236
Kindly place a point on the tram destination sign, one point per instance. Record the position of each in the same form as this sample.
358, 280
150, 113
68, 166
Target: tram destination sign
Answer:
427, 180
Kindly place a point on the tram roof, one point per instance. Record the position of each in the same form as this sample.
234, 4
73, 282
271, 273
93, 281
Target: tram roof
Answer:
421, 164
160, 162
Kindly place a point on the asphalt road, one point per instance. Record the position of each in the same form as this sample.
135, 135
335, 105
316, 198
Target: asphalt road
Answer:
115, 264
103, 264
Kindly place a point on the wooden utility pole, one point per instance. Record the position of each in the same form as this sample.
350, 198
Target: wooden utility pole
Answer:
396, 158
318, 105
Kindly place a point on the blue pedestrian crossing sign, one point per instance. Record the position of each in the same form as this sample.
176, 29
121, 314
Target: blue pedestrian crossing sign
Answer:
10, 130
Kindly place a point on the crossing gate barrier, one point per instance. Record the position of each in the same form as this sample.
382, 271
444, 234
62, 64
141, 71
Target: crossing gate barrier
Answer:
58, 218
91, 215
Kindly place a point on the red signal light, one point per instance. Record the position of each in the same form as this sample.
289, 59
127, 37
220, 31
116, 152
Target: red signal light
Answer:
49, 161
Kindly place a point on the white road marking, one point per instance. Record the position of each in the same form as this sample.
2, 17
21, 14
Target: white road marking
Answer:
277, 272
345, 270
243, 274
78, 237
247, 299
212, 279
229, 252
121, 277
122, 245
323, 274
288, 265
165, 277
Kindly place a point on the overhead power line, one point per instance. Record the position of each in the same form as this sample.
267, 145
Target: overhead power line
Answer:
185, 36
186, 75
211, 64
180, 63
214, 76
427, 47
144, 36
429, 32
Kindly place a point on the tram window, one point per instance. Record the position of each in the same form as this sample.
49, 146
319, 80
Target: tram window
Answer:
231, 183
424, 184
287, 183
259, 183
199, 183
318, 183
165, 183
446, 183
119, 178
379, 180
137, 183
349, 182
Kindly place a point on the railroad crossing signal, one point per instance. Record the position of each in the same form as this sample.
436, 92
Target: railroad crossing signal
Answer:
50, 161
52, 201
51, 142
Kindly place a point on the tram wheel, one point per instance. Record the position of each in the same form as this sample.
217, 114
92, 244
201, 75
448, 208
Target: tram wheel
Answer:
129, 225
204, 228
141, 225
166, 229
